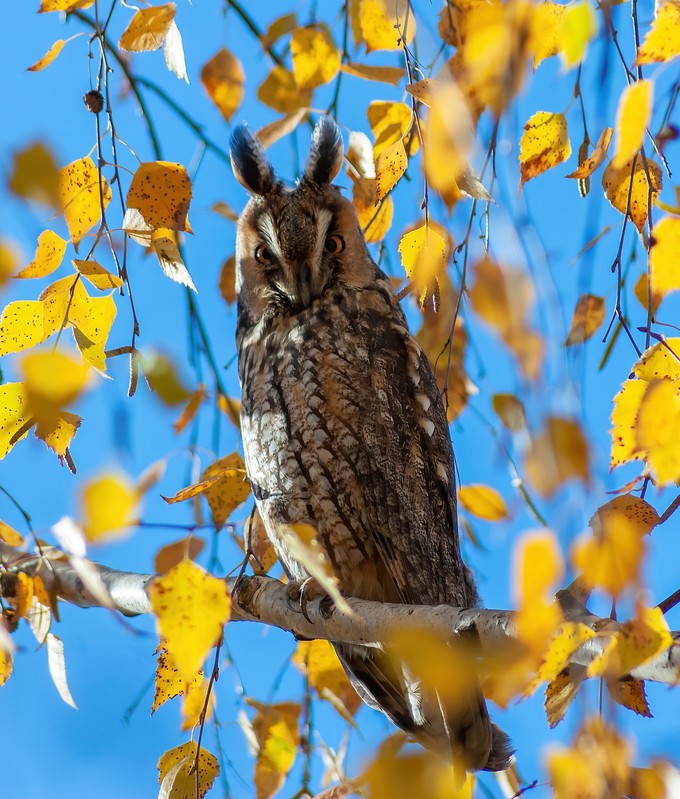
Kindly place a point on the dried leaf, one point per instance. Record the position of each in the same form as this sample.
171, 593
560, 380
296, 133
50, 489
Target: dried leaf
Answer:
171, 555
559, 454
281, 127
617, 186
48, 58
559, 694
630, 694
510, 411
190, 409
57, 666
588, 316
544, 144
587, 168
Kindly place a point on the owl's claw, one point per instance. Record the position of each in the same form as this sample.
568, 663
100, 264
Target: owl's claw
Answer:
304, 591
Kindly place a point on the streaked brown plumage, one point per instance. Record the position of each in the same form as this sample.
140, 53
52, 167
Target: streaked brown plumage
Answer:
343, 425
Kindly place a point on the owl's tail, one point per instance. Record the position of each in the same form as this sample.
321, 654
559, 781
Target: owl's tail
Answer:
462, 733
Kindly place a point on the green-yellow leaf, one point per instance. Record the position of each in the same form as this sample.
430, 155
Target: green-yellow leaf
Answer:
544, 144
191, 607
579, 25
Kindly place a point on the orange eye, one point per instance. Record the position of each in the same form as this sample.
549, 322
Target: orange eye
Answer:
263, 254
334, 244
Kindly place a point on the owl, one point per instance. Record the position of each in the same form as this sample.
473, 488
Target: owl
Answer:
344, 427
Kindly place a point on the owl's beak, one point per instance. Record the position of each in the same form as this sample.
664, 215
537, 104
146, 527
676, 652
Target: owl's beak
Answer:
304, 284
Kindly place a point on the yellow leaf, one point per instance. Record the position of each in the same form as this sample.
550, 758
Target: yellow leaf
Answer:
5, 666
59, 437
657, 431
662, 42
663, 256
424, 252
558, 454
389, 123
377, 19
65, 302
177, 776
170, 258
278, 28
82, 194
92, 332
538, 569
256, 541
191, 409
393, 75
624, 419
191, 607
280, 91
148, 28
169, 682
161, 192
14, 417
48, 58
375, 219
660, 360
316, 59
21, 325
163, 379
641, 288
547, 30
224, 484
544, 144
34, 175
280, 127
483, 501
510, 411
278, 738
223, 79
100, 278
617, 186
9, 259
47, 258
231, 408
63, 5
587, 318
10, 536
195, 701
579, 25
170, 555
109, 507
390, 165
632, 117
588, 166
568, 638
319, 661
227, 282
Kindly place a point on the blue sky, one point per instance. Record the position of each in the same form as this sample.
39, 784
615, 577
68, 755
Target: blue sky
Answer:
50, 749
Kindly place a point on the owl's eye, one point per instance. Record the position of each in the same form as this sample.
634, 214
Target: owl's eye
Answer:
263, 254
334, 244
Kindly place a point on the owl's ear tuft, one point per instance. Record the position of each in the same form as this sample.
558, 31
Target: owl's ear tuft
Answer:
325, 154
249, 163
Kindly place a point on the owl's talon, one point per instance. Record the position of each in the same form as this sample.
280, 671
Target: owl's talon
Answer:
302, 592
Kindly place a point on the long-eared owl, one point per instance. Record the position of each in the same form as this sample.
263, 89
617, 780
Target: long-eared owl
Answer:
344, 428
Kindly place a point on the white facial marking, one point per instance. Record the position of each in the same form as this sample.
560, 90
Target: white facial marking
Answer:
268, 230
322, 224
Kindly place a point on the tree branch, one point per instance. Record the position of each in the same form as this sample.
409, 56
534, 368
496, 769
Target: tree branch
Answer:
266, 600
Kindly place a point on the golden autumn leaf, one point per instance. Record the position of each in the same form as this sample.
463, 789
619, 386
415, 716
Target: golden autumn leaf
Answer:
5, 666
47, 258
546, 30
630, 694
63, 5
109, 505
377, 20
59, 437
624, 421
544, 144
24, 595
587, 318
49, 56
21, 326
168, 681
660, 360
163, 378
223, 79
568, 637
148, 28
424, 252
280, 127
164, 244
170, 555
35, 176
374, 217
559, 454
82, 194
662, 42
657, 430
278, 28
161, 192
560, 693
578, 27
195, 701
224, 485
319, 661
389, 123
642, 292
256, 542
280, 91
92, 332
390, 165
663, 256
95, 273
632, 118
14, 417
9, 260
537, 572
277, 736
510, 410
393, 75
483, 501
616, 183
64, 302
176, 773
190, 409
589, 165
227, 281
10, 536
191, 607
316, 59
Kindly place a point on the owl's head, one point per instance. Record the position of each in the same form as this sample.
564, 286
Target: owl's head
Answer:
294, 244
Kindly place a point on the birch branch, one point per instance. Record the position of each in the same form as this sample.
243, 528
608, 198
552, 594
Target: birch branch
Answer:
266, 600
